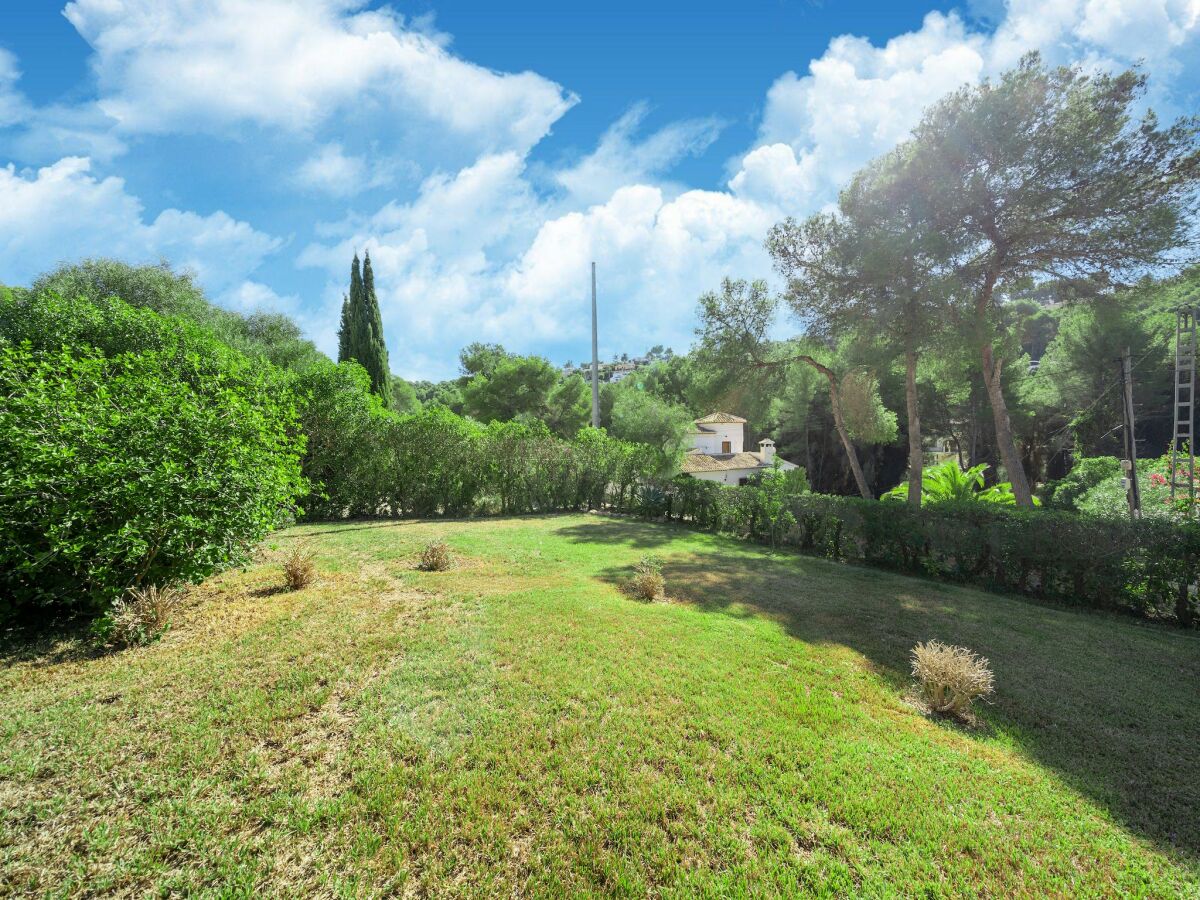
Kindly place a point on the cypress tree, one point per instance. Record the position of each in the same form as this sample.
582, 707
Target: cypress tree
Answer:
375, 356
355, 344
360, 336
344, 330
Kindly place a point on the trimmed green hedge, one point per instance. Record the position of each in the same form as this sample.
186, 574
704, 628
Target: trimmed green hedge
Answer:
365, 461
1144, 567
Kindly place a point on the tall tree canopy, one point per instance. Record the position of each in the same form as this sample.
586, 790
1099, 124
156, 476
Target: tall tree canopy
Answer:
1045, 173
869, 272
522, 388
735, 327
642, 418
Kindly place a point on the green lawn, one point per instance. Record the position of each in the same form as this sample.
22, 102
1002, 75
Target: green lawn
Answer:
518, 726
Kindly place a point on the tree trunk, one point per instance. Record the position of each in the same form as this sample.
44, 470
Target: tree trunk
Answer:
916, 455
835, 401
1004, 436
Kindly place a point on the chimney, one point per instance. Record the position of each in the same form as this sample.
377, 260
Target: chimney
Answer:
766, 448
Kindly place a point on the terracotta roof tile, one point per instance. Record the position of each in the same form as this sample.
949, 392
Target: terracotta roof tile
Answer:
708, 462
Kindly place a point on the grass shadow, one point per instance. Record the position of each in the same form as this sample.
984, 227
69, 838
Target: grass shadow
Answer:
608, 529
269, 591
1105, 701
353, 525
44, 647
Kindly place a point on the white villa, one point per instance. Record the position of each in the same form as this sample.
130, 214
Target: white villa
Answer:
717, 453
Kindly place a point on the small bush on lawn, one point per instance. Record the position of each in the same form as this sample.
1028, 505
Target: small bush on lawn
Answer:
139, 617
648, 582
435, 557
299, 570
951, 677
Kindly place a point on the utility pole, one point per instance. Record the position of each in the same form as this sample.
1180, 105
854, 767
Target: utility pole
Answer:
595, 358
1134, 491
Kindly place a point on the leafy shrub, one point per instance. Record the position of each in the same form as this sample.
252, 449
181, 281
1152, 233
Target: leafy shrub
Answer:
159, 289
1106, 496
344, 427
795, 481
435, 557
299, 570
771, 495
148, 454
647, 582
1086, 474
139, 617
951, 677
365, 461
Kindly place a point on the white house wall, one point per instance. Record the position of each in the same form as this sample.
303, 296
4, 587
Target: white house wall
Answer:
725, 476
711, 443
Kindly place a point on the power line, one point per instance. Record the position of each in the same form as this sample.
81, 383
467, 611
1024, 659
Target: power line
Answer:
1099, 397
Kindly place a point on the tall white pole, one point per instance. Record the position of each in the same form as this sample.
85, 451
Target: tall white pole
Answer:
595, 359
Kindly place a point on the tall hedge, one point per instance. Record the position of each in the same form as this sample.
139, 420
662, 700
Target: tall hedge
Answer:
134, 449
365, 461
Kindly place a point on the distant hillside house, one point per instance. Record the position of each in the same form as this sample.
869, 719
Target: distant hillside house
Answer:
621, 371
717, 453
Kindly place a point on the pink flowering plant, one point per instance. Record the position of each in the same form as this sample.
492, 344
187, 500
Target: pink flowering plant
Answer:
1107, 497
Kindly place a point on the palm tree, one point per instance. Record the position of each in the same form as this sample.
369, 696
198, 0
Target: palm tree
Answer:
949, 481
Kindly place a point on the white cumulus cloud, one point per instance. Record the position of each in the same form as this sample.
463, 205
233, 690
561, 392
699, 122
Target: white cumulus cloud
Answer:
621, 158
478, 256
858, 100
182, 65
63, 212
336, 173
13, 107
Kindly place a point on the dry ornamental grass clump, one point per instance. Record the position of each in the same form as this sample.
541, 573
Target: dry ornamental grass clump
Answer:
142, 614
951, 677
299, 570
648, 582
435, 557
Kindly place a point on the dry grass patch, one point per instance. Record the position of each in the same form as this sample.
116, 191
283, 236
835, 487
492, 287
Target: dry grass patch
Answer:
648, 583
299, 568
141, 615
951, 677
435, 557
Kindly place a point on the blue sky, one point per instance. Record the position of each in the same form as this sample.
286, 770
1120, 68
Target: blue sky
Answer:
485, 153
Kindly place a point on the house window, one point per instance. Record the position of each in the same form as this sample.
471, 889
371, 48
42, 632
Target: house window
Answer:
726, 447
743, 481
